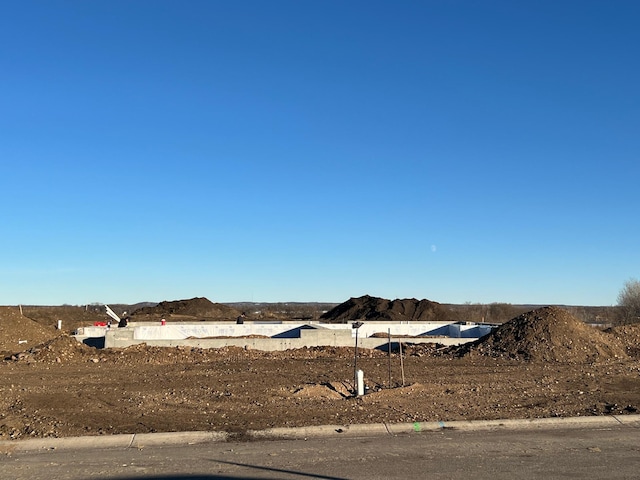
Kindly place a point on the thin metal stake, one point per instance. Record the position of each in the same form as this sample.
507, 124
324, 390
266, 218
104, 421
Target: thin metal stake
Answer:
389, 356
401, 362
355, 366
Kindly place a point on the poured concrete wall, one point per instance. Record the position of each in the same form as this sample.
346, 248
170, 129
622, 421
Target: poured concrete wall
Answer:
309, 338
282, 336
176, 331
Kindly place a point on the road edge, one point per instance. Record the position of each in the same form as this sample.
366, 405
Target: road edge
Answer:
141, 440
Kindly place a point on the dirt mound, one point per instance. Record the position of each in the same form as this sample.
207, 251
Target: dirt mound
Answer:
629, 336
380, 309
547, 334
59, 349
18, 332
198, 307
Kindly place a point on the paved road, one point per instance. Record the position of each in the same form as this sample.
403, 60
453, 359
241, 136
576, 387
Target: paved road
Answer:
585, 453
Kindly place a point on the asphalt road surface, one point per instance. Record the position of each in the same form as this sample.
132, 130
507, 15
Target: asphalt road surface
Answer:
589, 453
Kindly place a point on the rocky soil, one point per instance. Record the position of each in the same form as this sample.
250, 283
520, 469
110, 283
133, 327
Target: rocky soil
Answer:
544, 363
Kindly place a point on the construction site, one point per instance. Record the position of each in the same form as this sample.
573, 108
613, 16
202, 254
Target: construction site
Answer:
198, 366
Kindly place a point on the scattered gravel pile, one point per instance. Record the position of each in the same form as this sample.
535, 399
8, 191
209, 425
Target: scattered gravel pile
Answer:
548, 334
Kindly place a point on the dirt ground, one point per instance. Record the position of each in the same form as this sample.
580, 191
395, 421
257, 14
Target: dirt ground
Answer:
60, 387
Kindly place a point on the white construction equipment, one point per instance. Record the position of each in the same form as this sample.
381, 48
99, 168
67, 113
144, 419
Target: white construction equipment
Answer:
112, 314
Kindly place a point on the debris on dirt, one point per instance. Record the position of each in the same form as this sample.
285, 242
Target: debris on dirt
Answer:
420, 349
548, 334
410, 389
317, 391
59, 349
380, 309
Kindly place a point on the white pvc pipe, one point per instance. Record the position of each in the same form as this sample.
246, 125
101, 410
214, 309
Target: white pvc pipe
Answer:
360, 382
59, 324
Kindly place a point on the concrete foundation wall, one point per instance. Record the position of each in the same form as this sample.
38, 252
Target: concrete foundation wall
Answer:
124, 337
281, 335
175, 331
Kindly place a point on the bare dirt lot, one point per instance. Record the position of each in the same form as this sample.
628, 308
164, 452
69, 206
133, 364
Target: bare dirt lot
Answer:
541, 364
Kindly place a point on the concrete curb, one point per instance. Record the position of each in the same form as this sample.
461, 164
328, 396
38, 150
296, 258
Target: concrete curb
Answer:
141, 440
135, 440
69, 443
462, 425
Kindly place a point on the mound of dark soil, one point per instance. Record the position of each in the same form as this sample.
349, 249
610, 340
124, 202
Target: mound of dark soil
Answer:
198, 307
547, 334
379, 309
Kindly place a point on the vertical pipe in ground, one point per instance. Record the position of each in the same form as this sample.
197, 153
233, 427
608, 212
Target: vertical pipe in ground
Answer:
360, 382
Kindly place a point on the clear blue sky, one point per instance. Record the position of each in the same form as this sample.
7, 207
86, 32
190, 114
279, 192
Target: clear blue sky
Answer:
460, 151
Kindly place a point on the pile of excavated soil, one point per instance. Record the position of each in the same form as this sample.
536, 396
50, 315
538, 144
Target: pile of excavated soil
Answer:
548, 334
380, 309
629, 336
18, 332
63, 348
199, 308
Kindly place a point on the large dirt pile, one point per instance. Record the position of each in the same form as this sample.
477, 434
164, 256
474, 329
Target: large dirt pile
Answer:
379, 309
547, 334
195, 308
629, 336
18, 332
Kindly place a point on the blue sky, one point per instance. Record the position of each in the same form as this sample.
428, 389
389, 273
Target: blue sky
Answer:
460, 151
